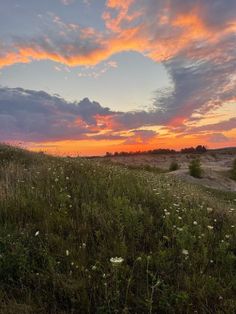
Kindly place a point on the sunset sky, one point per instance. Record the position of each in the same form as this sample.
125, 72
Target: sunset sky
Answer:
89, 76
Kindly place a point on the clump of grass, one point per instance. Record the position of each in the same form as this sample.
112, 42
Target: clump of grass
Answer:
174, 166
81, 236
195, 169
233, 170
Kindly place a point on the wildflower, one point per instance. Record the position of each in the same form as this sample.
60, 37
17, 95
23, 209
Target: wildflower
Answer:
116, 261
180, 218
231, 210
94, 267
227, 236
209, 209
83, 245
36, 233
56, 180
67, 178
195, 223
67, 252
185, 252
210, 227
179, 229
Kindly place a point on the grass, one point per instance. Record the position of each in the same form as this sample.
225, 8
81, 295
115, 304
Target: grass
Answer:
233, 170
63, 219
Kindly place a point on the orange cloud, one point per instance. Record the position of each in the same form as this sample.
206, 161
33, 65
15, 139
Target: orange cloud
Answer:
177, 121
161, 38
106, 122
92, 147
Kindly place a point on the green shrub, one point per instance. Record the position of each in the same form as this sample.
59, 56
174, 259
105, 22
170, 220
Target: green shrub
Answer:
174, 166
195, 169
233, 170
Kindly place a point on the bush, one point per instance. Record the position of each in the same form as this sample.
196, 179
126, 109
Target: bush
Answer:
174, 166
195, 169
233, 170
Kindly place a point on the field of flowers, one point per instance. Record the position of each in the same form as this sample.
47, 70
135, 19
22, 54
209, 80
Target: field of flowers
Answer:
83, 236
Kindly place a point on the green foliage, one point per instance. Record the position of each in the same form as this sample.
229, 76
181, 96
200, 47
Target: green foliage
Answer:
233, 170
174, 166
63, 219
195, 169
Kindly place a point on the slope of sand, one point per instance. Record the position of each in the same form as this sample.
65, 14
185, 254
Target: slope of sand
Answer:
216, 166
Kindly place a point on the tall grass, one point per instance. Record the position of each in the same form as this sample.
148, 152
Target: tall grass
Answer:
62, 220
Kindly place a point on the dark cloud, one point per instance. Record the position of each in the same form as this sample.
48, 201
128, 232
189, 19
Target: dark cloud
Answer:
28, 115
35, 116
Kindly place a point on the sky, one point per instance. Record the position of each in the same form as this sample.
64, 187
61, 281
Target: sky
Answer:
83, 77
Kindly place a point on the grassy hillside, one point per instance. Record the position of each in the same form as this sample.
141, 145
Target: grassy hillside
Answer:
62, 220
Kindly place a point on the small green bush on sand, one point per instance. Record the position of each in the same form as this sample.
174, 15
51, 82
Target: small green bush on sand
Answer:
195, 169
174, 166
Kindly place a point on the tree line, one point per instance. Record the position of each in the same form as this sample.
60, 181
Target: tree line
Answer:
200, 149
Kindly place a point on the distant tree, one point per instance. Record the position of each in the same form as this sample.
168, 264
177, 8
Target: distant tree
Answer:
188, 150
174, 166
233, 170
108, 154
195, 169
162, 151
200, 149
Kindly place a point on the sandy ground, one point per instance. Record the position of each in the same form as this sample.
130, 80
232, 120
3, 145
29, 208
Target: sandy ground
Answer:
216, 166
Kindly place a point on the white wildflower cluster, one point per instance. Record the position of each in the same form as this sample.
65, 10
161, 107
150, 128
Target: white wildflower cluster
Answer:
185, 252
209, 209
116, 261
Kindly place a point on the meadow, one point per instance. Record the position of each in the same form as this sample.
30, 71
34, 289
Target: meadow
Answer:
87, 236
